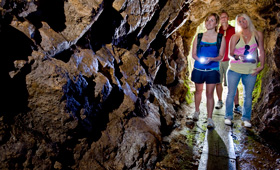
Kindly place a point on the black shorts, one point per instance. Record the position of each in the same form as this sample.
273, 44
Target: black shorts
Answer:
208, 76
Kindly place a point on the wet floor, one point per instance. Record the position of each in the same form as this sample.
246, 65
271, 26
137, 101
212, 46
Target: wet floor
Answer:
251, 150
186, 148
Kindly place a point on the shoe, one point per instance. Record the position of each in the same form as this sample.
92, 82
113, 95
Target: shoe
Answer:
196, 115
210, 123
247, 124
228, 122
219, 104
238, 110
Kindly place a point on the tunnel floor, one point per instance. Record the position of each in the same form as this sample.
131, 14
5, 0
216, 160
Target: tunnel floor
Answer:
192, 146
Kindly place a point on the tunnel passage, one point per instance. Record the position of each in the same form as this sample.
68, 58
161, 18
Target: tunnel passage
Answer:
263, 16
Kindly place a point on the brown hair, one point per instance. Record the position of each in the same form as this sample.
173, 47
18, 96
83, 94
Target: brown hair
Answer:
217, 19
224, 12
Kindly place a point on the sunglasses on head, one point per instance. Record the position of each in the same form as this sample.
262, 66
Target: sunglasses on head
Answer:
247, 47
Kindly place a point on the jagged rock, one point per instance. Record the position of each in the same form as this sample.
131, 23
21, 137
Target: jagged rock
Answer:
103, 87
133, 73
47, 115
163, 99
127, 143
153, 64
26, 27
52, 42
85, 61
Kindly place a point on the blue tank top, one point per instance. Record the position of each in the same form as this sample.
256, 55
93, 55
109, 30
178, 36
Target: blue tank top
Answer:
207, 51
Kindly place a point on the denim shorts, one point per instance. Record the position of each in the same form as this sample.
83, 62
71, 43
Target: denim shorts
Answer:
208, 76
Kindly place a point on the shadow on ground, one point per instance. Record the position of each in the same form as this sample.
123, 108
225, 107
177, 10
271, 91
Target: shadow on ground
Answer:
184, 147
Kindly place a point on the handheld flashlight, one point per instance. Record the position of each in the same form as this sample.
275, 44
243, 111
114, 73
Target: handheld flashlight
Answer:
202, 60
249, 56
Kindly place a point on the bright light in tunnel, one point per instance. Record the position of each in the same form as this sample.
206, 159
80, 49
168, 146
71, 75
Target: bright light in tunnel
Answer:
202, 60
249, 56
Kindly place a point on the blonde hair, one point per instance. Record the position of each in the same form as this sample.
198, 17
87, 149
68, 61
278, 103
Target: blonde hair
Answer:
249, 21
217, 19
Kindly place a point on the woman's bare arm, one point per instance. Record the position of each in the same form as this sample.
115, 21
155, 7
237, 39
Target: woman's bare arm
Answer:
260, 39
233, 40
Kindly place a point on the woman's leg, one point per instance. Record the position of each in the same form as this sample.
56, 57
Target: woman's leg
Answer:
197, 95
233, 80
248, 82
210, 99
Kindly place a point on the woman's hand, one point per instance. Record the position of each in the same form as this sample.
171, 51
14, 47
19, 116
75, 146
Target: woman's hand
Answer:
257, 71
242, 57
204, 60
207, 60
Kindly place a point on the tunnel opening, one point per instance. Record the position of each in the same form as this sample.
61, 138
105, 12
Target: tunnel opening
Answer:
259, 91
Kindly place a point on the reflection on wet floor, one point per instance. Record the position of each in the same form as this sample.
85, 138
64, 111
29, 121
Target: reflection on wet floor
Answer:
186, 144
218, 149
217, 152
252, 151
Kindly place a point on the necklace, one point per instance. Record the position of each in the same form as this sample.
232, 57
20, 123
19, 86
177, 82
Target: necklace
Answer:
246, 36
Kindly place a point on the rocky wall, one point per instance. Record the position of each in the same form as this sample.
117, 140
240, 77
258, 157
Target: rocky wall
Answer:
88, 84
266, 110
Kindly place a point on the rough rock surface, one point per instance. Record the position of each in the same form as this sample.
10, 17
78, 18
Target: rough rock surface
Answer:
91, 84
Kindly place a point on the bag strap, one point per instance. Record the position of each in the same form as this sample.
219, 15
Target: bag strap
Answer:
257, 41
219, 41
199, 37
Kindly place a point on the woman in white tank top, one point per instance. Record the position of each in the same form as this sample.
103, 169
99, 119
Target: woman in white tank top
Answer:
246, 50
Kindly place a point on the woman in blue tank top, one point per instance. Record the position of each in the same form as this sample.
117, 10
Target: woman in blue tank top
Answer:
207, 55
207, 49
